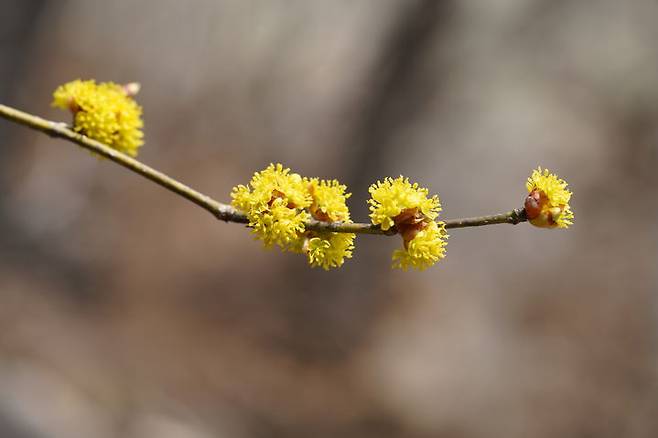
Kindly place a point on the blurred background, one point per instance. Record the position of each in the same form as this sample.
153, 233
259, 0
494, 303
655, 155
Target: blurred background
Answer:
126, 311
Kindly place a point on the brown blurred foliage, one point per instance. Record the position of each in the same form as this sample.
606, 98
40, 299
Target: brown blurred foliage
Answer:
127, 312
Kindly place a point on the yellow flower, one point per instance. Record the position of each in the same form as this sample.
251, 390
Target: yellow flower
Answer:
329, 200
278, 203
277, 223
273, 182
405, 206
547, 203
275, 203
329, 204
395, 197
329, 250
424, 250
105, 112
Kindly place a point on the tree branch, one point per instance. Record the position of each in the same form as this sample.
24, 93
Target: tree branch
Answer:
220, 210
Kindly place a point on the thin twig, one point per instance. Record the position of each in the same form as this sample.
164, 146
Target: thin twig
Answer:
220, 210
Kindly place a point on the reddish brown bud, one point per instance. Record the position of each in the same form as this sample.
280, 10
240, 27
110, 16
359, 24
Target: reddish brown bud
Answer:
73, 105
408, 216
534, 202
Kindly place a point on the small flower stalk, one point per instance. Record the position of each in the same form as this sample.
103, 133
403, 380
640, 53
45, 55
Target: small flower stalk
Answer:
547, 203
105, 112
407, 207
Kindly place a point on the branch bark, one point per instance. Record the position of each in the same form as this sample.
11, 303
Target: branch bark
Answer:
218, 209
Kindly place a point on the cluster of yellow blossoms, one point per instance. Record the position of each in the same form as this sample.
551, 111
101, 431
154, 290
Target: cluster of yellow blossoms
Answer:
105, 112
278, 203
547, 203
397, 202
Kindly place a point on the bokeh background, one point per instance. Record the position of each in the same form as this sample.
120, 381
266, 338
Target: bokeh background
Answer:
125, 311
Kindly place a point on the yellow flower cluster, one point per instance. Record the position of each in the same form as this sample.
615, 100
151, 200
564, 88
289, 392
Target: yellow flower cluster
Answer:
394, 196
327, 249
329, 200
427, 248
547, 203
278, 203
105, 112
397, 202
275, 202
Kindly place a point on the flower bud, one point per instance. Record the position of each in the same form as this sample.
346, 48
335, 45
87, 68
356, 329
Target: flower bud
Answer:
547, 203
